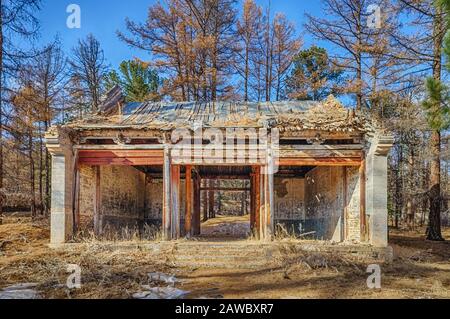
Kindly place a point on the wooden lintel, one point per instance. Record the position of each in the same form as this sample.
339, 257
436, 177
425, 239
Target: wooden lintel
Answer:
120, 153
121, 157
225, 189
234, 177
319, 161
122, 161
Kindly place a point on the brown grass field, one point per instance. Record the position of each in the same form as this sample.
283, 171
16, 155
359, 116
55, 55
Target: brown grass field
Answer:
420, 269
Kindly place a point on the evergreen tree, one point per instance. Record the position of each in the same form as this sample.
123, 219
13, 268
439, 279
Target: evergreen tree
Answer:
138, 81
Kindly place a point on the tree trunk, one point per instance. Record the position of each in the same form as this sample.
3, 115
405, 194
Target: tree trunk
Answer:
359, 96
41, 169
32, 183
1, 113
433, 231
410, 207
434, 219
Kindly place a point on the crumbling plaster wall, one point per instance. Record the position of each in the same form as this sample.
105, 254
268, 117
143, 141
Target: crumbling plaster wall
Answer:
289, 203
316, 203
325, 205
154, 201
87, 196
353, 205
121, 196
324, 199
125, 198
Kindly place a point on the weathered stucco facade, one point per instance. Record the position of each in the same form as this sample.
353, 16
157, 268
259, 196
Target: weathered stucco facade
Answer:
322, 175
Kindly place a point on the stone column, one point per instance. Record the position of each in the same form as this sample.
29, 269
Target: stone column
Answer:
376, 190
61, 218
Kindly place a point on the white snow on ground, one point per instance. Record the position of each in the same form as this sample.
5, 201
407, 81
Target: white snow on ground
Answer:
20, 291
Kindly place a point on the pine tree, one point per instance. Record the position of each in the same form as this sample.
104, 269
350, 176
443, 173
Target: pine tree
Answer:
139, 82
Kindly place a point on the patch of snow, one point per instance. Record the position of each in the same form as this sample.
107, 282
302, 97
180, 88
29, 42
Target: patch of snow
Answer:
162, 278
160, 293
20, 291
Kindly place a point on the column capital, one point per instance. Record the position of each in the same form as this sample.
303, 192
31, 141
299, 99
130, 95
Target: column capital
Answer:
52, 141
384, 145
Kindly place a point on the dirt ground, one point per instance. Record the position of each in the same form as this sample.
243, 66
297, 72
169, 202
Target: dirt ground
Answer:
420, 269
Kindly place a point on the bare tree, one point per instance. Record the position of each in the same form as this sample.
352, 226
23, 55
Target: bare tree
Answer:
89, 67
248, 29
17, 19
49, 78
346, 27
286, 46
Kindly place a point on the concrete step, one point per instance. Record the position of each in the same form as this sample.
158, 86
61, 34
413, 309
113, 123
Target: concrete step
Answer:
221, 256
224, 265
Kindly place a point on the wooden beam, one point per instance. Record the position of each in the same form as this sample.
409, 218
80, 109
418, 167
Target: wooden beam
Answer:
205, 203
114, 147
120, 153
236, 177
97, 203
188, 207
196, 218
211, 199
318, 153
121, 157
345, 200
252, 201
362, 200
262, 206
175, 200
136, 161
319, 161
225, 189
166, 218
257, 205
75, 194
270, 197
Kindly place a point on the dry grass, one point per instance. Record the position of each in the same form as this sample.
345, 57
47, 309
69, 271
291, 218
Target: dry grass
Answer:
420, 269
25, 257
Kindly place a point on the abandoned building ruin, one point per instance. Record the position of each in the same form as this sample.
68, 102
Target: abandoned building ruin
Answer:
117, 167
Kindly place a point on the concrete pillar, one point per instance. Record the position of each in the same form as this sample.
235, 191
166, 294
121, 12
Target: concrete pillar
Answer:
61, 212
376, 190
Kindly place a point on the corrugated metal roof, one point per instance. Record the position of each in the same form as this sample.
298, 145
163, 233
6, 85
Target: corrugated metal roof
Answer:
209, 114
289, 115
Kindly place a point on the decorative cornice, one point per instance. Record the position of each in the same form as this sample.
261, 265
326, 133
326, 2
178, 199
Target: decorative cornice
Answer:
384, 145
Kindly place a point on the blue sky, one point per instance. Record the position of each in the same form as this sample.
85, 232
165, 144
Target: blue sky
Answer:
103, 18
